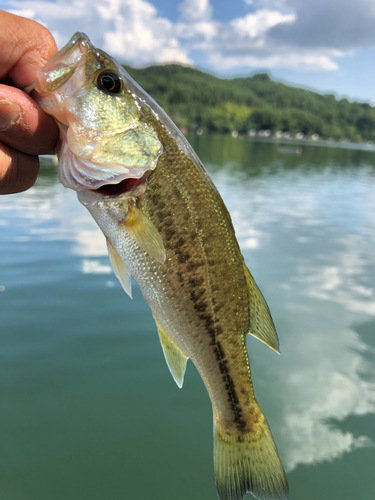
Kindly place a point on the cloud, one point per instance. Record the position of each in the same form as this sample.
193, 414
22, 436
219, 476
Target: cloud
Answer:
340, 279
278, 58
89, 241
326, 386
321, 385
194, 10
248, 41
130, 30
135, 33
320, 379
324, 375
256, 24
90, 266
330, 25
139, 34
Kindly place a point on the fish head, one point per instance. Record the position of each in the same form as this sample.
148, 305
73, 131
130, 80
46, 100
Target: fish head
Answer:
105, 136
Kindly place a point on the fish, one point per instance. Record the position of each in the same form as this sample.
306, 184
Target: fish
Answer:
167, 226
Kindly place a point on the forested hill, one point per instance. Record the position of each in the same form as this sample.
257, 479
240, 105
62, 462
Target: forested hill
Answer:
196, 99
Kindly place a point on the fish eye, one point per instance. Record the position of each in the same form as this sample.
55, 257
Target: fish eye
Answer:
109, 81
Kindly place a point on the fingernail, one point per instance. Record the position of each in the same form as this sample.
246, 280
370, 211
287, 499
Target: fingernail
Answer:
10, 114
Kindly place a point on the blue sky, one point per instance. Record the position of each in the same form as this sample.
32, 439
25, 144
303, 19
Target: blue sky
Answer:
326, 45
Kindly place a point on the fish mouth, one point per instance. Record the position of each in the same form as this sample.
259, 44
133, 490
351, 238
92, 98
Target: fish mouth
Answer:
124, 186
131, 186
61, 72
93, 157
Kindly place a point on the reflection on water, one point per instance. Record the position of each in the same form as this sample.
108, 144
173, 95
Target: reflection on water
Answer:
306, 225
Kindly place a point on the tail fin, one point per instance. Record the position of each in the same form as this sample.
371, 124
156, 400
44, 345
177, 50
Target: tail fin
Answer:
248, 461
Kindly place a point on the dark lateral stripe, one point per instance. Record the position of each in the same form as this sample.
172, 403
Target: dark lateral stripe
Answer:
213, 331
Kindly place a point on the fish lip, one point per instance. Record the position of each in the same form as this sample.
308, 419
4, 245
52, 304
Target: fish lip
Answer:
70, 55
66, 57
88, 197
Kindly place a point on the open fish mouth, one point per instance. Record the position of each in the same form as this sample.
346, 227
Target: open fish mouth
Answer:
130, 184
129, 188
120, 188
104, 136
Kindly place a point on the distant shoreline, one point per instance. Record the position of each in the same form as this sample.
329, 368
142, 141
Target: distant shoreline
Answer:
196, 100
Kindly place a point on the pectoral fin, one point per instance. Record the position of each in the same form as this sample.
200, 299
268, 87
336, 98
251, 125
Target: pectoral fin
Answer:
145, 233
175, 358
261, 323
119, 269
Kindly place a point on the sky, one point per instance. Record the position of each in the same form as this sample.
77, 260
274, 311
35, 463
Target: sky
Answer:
328, 46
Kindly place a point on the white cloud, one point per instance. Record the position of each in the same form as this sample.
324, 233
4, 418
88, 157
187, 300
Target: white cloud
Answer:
130, 30
301, 61
23, 13
50, 11
256, 24
134, 32
139, 34
323, 376
325, 25
89, 241
198, 31
90, 266
319, 379
339, 280
195, 10
328, 391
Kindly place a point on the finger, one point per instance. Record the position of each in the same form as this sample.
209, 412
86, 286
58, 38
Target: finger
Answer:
18, 171
26, 46
23, 125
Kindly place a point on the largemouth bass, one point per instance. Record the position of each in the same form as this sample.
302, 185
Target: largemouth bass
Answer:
167, 226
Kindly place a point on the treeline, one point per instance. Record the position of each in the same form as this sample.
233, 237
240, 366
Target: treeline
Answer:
195, 99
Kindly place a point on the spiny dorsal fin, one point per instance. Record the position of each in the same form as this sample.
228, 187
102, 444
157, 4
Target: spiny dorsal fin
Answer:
261, 323
175, 358
145, 234
119, 269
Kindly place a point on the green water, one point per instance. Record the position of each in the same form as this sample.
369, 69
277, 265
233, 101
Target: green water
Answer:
88, 409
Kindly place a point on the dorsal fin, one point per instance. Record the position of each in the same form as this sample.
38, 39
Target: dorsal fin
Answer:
119, 269
261, 323
175, 358
145, 233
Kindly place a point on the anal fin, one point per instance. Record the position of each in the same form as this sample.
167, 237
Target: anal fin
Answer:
119, 269
261, 323
175, 358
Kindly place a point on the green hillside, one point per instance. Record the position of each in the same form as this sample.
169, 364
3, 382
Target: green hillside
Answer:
193, 98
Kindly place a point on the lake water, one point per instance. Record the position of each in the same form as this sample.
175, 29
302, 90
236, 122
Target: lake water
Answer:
88, 409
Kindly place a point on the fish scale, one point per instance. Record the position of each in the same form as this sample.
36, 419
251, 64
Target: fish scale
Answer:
167, 226
220, 303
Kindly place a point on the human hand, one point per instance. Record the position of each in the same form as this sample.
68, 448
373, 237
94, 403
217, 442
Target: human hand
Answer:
25, 130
